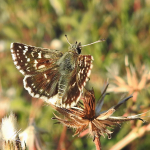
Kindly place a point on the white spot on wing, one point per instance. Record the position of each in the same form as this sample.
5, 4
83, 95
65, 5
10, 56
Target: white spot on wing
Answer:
32, 54
39, 55
36, 95
53, 100
25, 82
15, 62
22, 72
14, 56
26, 47
28, 59
67, 106
18, 67
29, 89
88, 74
92, 58
41, 66
91, 66
35, 61
73, 104
11, 45
44, 98
45, 75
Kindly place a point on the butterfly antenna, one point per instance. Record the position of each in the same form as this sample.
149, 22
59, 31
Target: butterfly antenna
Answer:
67, 39
101, 40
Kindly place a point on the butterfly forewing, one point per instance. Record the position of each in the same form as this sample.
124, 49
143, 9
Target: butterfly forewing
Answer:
30, 60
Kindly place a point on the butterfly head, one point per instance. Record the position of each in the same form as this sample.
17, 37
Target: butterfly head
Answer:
75, 47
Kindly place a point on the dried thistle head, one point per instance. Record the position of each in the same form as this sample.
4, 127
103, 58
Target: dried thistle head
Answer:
89, 116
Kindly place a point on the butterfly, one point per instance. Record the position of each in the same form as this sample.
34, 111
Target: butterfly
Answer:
54, 76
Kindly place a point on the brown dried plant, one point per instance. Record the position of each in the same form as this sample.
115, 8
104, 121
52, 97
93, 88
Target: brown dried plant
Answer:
89, 116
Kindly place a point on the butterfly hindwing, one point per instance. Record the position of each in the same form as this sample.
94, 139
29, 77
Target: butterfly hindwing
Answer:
42, 85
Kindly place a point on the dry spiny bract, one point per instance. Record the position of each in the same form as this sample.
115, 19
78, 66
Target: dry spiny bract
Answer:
89, 116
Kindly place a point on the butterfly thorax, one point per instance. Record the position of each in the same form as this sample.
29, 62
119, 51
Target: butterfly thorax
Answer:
67, 63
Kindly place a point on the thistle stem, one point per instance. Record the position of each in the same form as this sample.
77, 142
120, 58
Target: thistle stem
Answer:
85, 132
62, 138
97, 143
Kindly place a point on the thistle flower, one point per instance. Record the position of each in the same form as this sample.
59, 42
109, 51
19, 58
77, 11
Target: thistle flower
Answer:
9, 133
90, 116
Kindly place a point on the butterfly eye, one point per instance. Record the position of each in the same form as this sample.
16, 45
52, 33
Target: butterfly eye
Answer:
79, 50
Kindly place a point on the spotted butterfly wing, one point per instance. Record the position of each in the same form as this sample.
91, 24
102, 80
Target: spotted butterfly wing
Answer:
78, 79
54, 76
39, 67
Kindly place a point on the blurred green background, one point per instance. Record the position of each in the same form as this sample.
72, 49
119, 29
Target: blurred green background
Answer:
125, 24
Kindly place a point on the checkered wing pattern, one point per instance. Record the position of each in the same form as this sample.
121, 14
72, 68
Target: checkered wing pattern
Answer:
30, 60
51, 75
78, 80
39, 67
